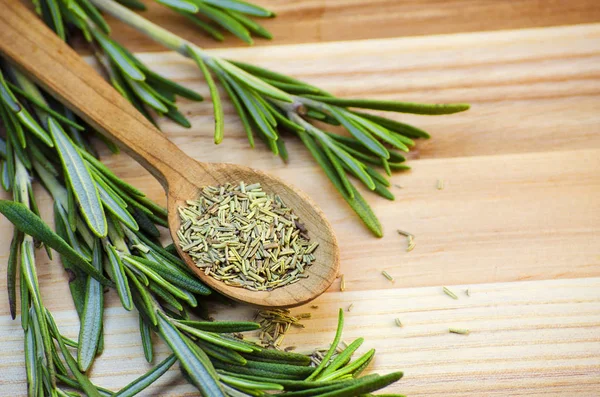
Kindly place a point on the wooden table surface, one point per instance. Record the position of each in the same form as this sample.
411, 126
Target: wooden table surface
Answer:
518, 222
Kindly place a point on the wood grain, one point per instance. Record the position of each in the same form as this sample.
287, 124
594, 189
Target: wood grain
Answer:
522, 181
527, 338
312, 21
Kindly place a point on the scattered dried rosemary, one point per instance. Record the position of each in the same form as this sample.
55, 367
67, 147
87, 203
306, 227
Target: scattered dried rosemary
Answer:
275, 323
242, 236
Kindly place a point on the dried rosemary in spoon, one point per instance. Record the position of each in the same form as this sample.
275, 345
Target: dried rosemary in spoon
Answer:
245, 238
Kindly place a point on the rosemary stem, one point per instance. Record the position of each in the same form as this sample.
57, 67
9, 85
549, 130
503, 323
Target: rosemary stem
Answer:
148, 28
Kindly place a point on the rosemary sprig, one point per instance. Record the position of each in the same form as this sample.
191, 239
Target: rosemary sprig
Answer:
269, 102
126, 258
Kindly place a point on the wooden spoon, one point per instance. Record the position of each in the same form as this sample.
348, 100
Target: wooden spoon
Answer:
26, 41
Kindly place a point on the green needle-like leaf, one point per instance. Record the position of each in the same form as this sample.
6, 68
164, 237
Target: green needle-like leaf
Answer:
396, 126
147, 95
214, 338
253, 82
147, 379
249, 24
394, 106
30, 363
180, 5
360, 133
342, 358
119, 57
80, 180
339, 169
332, 348
238, 108
224, 20
118, 275
11, 271
222, 326
91, 319
241, 6
250, 384
189, 358
84, 382
146, 336
144, 297
56, 16
208, 28
116, 206
214, 94
31, 224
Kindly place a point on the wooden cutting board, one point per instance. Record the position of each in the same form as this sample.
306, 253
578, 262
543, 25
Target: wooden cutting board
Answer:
517, 223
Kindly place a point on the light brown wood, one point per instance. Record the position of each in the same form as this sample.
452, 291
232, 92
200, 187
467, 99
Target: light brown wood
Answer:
521, 203
312, 21
26, 41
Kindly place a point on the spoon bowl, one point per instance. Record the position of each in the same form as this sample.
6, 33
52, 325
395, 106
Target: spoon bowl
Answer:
26, 41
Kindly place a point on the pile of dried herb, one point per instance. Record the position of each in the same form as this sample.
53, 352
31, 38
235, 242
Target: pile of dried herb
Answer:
242, 236
106, 236
275, 323
271, 106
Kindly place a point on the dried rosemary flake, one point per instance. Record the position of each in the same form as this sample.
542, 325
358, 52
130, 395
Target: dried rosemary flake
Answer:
468, 292
461, 331
244, 237
350, 307
274, 324
440, 184
449, 293
342, 283
398, 322
388, 276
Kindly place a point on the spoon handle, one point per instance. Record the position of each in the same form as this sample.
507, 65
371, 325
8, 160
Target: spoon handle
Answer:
40, 53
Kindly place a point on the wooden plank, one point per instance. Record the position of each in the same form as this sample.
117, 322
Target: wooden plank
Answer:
311, 21
527, 338
531, 90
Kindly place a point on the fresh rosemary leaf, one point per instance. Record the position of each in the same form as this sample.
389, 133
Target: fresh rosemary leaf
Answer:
238, 108
270, 75
31, 224
69, 234
44, 106
278, 356
178, 117
147, 95
30, 276
147, 379
214, 338
20, 154
175, 276
222, 326
118, 275
350, 368
91, 319
144, 296
220, 353
358, 204
208, 28
189, 358
143, 221
339, 169
285, 122
394, 106
110, 202
243, 370
180, 5
377, 177
119, 57
355, 166
381, 190
359, 133
224, 20
379, 131
290, 88
80, 180
251, 81
6, 179
214, 93
286, 369
85, 384
241, 6
282, 149
25, 301
57, 20
159, 81
253, 109
11, 271
365, 385
133, 4
326, 387
249, 24
108, 174
146, 336
165, 296
30, 362
250, 384
75, 385
342, 358
332, 348
94, 15
396, 126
